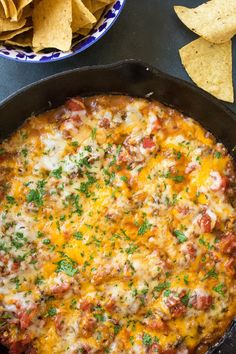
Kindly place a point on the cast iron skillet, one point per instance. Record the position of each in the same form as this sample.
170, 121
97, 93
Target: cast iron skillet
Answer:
132, 78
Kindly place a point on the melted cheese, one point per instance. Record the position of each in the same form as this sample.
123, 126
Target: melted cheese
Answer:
103, 246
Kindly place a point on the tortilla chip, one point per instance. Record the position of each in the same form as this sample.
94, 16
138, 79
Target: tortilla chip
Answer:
8, 25
21, 4
11, 34
22, 40
98, 14
5, 8
210, 67
98, 5
215, 20
52, 24
107, 1
85, 31
81, 16
88, 4
12, 10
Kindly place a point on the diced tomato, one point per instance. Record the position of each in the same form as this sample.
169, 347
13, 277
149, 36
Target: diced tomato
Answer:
85, 305
157, 324
157, 125
191, 250
20, 347
148, 143
58, 320
124, 157
177, 308
25, 317
184, 210
219, 182
191, 167
75, 106
17, 348
230, 264
58, 290
155, 348
205, 223
104, 123
201, 302
111, 305
88, 325
228, 244
15, 266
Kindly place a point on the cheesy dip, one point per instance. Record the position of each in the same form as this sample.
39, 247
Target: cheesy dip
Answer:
117, 231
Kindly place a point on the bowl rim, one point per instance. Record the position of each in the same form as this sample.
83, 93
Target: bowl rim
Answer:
71, 53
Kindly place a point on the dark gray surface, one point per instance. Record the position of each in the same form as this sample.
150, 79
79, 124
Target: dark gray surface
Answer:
147, 30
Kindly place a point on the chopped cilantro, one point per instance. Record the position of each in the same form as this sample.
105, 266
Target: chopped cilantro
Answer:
124, 178
35, 196
211, 274
180, 236
147, 339
162, 286
131, 249
46, 241
66, 266
75, 143
78, 235
24, 152
218, 155
57, 173
220, 289
186, 281
185, 299
52, 312
117, 329
131, 338
40, 234
11, 200
93, 133
178, 179
179, 155
205, 243
39, 281
16, 281
75, 203
144, 228
167, 293
99, 317
73, 304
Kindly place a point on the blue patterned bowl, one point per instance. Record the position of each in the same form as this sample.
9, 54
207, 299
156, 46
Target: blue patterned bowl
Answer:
80, 44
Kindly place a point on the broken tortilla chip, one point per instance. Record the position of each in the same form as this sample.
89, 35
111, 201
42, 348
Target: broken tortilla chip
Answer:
11, 34
98, 5
215, 20
85, 31
21, 4
7, 25
12, 11
52, 24
5, 8
210, 67
22, 40
88, 4
81, 16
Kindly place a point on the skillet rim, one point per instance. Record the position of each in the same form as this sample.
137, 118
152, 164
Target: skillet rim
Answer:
230, 332
115, 65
